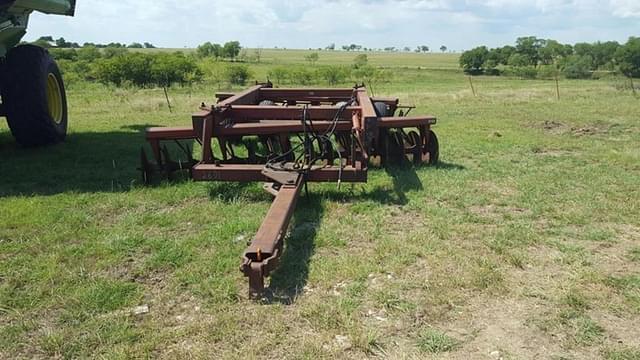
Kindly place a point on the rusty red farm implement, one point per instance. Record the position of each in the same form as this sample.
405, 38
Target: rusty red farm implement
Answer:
285, 138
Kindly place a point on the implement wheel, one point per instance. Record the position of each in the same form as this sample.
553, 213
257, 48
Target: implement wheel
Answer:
433, 148
34, 97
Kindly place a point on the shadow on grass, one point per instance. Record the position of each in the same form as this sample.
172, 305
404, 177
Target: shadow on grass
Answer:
85, 163
290, 278
107, 162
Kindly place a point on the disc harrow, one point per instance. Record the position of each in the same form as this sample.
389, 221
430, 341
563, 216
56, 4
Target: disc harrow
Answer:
286, 138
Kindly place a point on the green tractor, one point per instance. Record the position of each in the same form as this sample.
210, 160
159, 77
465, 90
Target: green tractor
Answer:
33, 96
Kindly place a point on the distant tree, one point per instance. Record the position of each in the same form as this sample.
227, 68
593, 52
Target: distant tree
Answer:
603, 53
551, 52
204, 50
519, 60
62, 43
209, 50
424, 48
406, 49
628, 58
64, 54
346, 48
582, 49
231, 49
360, 61
48, 38
42, 43
149, 46
443, 48
331, 47
135, 45
528, 48
500, 56
216, 51
577, 66
312, 58
473, 60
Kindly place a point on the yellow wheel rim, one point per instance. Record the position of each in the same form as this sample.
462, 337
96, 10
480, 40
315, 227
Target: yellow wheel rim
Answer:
54, 98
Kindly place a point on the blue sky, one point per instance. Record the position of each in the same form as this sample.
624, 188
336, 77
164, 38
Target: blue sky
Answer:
458, 24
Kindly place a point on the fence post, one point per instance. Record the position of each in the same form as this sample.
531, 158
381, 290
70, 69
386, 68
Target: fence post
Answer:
473, 90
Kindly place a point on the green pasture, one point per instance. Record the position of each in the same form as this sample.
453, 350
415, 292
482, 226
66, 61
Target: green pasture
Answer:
523, 243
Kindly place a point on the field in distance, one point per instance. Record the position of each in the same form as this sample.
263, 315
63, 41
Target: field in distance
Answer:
377, 58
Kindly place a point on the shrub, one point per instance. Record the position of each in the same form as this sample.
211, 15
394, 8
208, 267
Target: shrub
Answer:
490, 67
472, 61
90, 53
628, 57
312, 58
547, 72
279, 74
148, 69
167, 69
209, 50
302, 76
110, 52
334, 75
360, 61
238, 74
577, 67
524, 72
63, 54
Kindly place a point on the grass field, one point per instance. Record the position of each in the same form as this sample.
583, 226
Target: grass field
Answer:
524, 243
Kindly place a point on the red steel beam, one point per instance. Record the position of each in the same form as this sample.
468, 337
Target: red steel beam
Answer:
263, 254
305, 94
239, 113
249, 96
272, 127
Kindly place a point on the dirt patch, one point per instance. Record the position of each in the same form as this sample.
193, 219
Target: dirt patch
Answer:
551, 152
498, 328
552, 125
584, 131
621, 331
495, 212
612, 257
558, 128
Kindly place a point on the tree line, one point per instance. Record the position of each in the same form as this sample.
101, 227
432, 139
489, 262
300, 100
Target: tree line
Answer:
229, 50
356, 47
49, 42
533, 57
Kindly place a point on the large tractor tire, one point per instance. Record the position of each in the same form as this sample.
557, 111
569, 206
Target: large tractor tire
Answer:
33, 97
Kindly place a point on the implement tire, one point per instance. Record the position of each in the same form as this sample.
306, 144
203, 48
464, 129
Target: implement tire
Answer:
33, 96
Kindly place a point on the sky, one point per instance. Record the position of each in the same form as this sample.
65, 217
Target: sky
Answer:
457, 24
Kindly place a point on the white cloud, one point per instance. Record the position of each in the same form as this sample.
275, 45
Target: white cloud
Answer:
626, 8
375, 23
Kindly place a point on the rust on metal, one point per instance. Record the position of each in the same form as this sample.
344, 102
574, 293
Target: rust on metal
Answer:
285, 138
